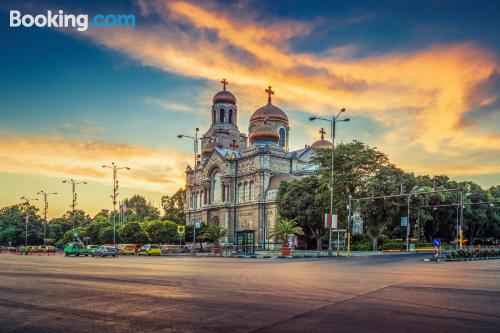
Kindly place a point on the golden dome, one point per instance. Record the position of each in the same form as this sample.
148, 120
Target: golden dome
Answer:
322, 145
224, 96
275, 114
264, 132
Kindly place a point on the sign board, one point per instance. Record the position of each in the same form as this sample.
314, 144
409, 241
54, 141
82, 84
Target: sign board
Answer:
181, 229
197, 224
331, 221
437, 243
404, 221
334, 221
75, 234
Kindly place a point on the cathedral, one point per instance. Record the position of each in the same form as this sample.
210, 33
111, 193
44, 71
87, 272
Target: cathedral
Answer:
236, 177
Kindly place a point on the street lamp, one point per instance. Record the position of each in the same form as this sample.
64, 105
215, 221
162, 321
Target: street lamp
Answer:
414, 189
195, 150
115, 169
26, 218
73, 201
45, 210
333, 122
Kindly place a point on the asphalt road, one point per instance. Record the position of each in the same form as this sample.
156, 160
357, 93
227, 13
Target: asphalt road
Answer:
394, 293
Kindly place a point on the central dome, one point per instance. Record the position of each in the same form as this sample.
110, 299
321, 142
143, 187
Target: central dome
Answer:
224, 96
263, 132
275, 114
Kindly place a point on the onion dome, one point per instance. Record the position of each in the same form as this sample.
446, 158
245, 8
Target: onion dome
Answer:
322, 144
224, 96
275, 114
209, 148
264, 133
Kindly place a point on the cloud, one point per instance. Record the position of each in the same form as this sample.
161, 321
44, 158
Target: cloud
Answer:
152, 169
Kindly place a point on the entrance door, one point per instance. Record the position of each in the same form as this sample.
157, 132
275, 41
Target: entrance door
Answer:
245, 242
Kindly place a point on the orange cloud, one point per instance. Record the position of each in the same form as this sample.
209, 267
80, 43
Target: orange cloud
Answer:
421, 96
152, 169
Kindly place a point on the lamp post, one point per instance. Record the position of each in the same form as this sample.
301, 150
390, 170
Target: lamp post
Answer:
73, 201
408, 220
45, 210
195, 150
115, 169
333, 122
26, 218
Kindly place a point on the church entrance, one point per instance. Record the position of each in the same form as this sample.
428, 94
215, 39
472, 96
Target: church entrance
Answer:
245, 242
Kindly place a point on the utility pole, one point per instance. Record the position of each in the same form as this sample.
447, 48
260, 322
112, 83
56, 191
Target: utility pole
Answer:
349, 226
45, 211
115, 169
73, 201
26, 218
333, 122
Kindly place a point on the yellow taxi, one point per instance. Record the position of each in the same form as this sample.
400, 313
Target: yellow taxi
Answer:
149, 250
128, 249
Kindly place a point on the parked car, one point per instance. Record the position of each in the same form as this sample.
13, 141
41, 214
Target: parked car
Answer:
149, 250
76, 249
92, 248
169, 248
46, 248
128, 249
103, 251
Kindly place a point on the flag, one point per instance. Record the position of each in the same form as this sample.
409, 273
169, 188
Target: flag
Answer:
328, 221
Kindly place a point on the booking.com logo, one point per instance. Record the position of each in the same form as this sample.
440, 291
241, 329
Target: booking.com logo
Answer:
61, 20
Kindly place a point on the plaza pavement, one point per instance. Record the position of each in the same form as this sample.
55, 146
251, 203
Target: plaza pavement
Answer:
387, 293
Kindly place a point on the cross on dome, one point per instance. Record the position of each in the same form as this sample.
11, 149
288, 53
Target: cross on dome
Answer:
269, 92
322, 132
224, 83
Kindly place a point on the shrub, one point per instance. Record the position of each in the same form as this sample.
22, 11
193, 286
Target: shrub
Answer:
132, 232
106, 236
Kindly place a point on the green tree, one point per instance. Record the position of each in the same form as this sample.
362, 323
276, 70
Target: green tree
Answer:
174, 206
69, 235
13, 225
138, 209
106, 236
95, 228
214, 233
132, 232
303, 201
161, 231
284, 228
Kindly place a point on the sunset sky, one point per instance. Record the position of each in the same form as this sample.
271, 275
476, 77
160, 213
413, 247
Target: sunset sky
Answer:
420, 80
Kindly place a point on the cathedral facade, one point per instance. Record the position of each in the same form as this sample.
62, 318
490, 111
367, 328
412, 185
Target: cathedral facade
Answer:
236, 177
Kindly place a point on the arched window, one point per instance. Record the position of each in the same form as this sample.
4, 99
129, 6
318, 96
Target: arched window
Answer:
282, 134
216, 188
213, 116
230, 120
221, 115
250, 191
245, 189
240, 192
205, 197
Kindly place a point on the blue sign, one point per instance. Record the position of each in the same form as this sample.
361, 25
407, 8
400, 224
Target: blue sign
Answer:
197, 224
404, 221
437, 242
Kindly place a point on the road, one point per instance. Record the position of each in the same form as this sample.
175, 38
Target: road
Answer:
393, 293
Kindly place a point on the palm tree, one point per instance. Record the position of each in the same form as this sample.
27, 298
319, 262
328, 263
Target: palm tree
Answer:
284, 228
214, 233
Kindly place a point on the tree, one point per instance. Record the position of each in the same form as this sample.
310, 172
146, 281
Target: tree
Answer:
132, 232
138, 209
106, 236
161, 231
214, 233
13, 225
174, 206
303, 201
69, 235
284, 228
95, 228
